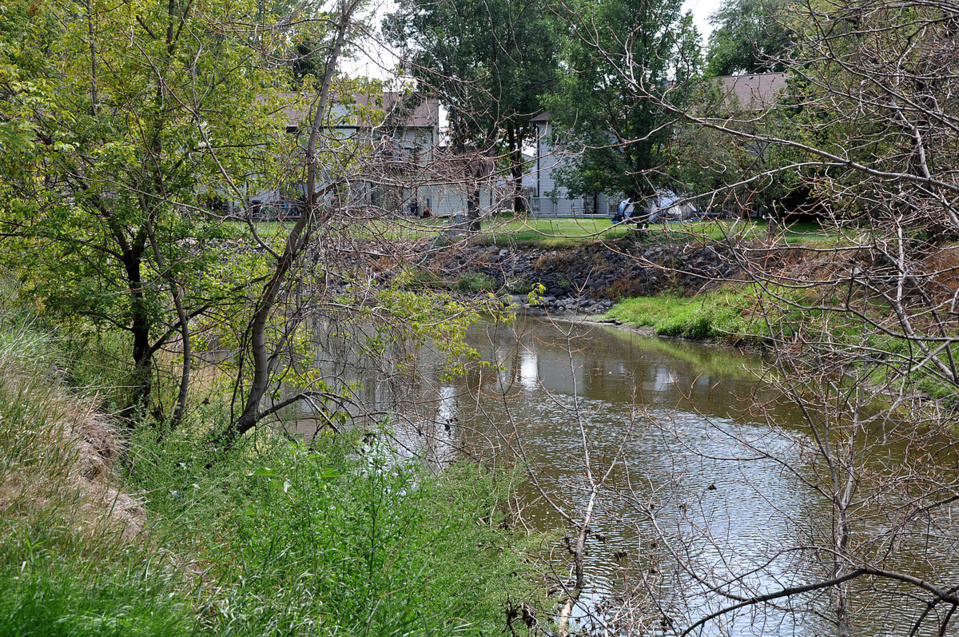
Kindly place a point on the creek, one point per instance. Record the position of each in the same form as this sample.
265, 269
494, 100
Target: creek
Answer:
707, 481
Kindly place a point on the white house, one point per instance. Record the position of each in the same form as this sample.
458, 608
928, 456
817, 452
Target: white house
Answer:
548, 199
387, 148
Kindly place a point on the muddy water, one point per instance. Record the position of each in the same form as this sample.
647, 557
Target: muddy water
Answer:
709, 489
706, 483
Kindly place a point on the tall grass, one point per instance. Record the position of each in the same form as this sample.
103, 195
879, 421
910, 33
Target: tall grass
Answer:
275, 539
349, 540
70, 559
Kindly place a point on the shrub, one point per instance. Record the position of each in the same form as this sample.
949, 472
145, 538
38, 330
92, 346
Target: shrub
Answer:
473, 282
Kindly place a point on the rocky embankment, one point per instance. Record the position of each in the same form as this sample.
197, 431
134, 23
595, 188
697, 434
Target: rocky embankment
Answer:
589, 278
585, 278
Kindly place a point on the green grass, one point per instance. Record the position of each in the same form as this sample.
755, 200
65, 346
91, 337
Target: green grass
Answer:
719, 314
560, 232
564, 232
550, 232
736, 315
274, 539
65, 566
349, 540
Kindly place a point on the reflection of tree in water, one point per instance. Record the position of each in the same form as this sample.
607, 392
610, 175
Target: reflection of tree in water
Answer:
703, 504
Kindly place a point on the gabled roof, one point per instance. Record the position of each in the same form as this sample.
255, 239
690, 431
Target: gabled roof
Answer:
754, 91
404, 110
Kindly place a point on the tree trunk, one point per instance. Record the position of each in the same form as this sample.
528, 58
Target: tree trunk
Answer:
473, 208
516, 168
263, 361
140, 323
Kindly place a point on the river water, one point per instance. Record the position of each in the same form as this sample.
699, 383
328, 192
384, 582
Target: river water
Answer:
709, 487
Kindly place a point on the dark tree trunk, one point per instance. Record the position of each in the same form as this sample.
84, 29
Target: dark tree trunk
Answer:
516, 168
473, 208
140, 324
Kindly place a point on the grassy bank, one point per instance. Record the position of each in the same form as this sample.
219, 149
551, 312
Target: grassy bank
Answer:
727, 314
71, 561
273, 540
740, 315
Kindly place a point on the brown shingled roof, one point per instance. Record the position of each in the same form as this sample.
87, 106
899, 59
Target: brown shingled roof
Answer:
753, 92
405, 109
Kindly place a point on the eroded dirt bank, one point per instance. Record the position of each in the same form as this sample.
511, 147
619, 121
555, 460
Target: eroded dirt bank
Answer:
589, 278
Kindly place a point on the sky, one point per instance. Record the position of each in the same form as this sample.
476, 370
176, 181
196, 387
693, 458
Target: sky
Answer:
701, 11
377, 61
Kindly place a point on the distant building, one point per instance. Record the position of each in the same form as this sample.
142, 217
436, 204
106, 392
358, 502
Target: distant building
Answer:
389, 146
547, 198
751, 92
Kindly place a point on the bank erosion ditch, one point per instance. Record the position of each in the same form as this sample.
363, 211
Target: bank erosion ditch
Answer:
587, 278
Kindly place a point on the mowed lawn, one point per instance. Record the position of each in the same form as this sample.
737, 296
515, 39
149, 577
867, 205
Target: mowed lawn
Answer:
557, 232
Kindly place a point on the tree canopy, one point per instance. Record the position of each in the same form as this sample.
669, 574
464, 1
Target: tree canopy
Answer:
750, 36
490, 64
615, 137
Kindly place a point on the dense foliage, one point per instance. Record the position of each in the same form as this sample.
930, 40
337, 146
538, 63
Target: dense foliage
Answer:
617, 138
750, 36
121, 127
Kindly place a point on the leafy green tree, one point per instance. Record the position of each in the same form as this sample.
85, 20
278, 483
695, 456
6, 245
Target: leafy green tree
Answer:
738, 174
120, 125
490, 63
751, 36
615, 137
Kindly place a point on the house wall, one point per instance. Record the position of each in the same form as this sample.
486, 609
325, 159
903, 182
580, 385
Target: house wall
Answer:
408, 166
450, 199
560, 204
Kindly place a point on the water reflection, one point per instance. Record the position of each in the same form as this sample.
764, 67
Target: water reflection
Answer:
702, 494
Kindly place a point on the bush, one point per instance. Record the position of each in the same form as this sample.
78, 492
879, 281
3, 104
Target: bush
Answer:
473, 282
519, 286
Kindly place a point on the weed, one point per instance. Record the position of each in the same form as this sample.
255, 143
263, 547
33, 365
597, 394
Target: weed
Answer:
350, 540
519, 286
710, 315
473, 282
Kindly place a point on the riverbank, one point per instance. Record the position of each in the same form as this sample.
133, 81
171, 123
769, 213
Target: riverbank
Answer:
591, 277
693, 289
795, 298
115, 533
